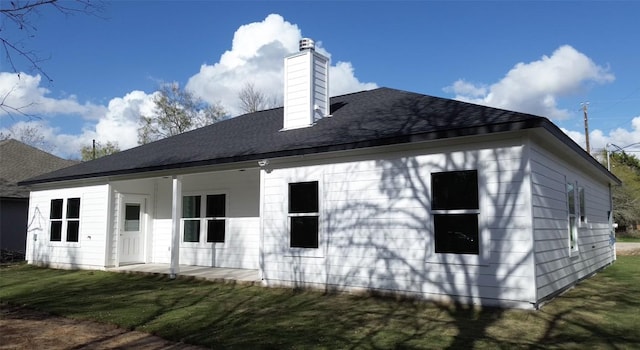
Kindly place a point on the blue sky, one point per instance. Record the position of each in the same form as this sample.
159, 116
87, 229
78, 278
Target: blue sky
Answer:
543, 58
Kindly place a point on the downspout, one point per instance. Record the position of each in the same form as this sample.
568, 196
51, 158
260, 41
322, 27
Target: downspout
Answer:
176, 213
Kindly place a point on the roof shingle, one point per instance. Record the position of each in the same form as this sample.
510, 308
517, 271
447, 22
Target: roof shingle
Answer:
370, 118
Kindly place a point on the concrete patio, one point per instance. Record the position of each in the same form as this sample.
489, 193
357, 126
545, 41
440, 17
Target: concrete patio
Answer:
200, 272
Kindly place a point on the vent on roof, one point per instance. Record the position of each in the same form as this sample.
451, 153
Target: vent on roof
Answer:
306, 86
307, 44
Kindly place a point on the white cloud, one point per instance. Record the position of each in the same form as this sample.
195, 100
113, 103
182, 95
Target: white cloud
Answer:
619, 137
22, 94
257, 56
535, 87
119, 123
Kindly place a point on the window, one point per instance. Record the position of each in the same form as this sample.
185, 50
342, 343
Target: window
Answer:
573, 217
191, 218
303, 214
213, 223
64, 219
132, 217
583, 215
455, 207
216, 213
55, 215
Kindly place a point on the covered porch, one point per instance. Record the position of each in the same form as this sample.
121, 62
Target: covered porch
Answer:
220, 274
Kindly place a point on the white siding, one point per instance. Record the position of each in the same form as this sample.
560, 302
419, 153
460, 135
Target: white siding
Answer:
89, 251
144, 187
555, 267
377, 231
306, 76
240, 249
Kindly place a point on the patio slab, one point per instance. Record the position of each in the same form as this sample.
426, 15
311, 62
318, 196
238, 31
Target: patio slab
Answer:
201, 272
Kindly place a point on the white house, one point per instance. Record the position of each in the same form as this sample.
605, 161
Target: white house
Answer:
381, 190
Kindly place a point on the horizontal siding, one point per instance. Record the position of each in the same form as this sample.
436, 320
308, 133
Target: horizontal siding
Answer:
89, 251
241, 249
556, 268
377, 229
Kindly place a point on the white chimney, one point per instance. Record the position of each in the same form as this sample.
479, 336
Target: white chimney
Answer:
306, 86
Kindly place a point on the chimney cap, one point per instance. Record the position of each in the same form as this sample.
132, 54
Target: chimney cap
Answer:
307, 44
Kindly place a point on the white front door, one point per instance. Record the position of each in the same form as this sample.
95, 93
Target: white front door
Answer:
132, 229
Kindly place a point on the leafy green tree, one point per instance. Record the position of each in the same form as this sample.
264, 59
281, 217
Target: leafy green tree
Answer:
89, 153
176, 111
626, 198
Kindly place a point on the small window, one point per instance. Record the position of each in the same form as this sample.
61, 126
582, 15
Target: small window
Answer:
64, 219
572, 217
583, 215
55, 216
455, 207
191, 218
455, 190
73, 219
216, 222
457, 233
303, 214
132, 217
208, 222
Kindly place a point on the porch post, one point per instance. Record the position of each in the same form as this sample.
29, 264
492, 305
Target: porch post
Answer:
176, 214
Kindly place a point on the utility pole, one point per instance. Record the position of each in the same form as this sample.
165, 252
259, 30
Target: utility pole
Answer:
585, 106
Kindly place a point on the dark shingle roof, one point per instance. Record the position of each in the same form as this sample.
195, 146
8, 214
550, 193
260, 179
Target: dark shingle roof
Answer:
19, 161
370, 118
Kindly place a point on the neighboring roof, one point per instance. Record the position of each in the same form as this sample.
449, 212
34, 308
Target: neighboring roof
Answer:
19, 162
370, 118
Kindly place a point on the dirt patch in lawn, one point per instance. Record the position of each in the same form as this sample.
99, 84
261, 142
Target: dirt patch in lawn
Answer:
22, 328
628, 248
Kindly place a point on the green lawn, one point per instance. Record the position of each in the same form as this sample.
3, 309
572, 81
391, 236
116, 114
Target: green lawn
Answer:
601, 312
627, 239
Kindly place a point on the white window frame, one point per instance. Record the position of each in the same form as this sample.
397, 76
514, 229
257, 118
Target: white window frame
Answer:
65, 223
458, 211
573, 219
300, 251
582, 206
204, 220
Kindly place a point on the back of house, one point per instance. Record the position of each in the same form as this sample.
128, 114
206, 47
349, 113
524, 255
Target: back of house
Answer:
382, 190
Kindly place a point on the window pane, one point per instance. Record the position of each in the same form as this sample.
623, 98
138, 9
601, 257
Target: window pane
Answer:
56, 209
56, 231
573, 233
303, 197
304, 231
191, 206
455, 190
571, 199
215, 231
456, 233
216, 206
132, 217
191, 230
73, 208
73, 231
583, 216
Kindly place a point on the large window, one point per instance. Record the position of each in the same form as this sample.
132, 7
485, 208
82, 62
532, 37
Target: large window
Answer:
64, 219
455, 207
204, 225
303, 214
574, 215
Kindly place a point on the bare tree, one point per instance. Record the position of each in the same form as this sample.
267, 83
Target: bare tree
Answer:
97, 150
253, 100
17, 27
28, 134
176, 111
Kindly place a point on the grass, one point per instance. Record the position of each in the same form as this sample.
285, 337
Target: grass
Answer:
628, 239
601, 312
